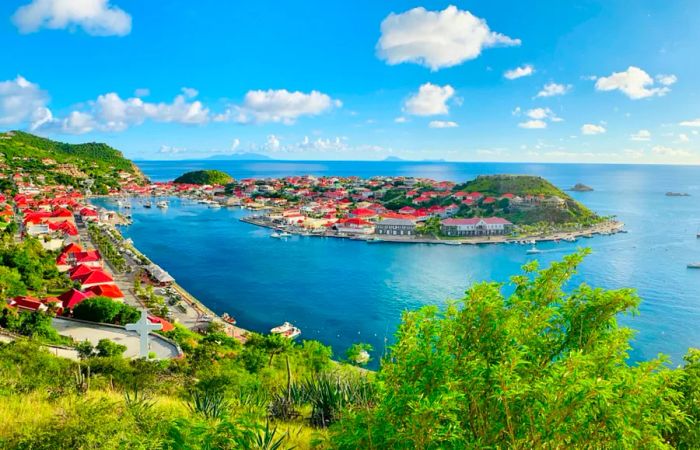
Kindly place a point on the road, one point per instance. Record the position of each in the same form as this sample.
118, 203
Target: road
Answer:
94, 332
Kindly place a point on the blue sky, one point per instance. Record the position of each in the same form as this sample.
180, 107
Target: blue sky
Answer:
599, 81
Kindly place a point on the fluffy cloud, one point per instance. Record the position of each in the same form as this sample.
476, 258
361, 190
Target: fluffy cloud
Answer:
400, 120
666, 80
443, 124
552, 89
668, 151
591, 129
436, 39
690, 123
116, 114
641, 135
273, 143
635, 83
280, 106
533, 124
96, 17
430, 100
110, 112
538, 118
519, 72
235, 144
21, 101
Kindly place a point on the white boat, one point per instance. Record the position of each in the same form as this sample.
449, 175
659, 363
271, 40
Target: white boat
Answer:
533, 250
286, 330
284, 234
162, 204
569, 239
694, 265
214, 205
280, 235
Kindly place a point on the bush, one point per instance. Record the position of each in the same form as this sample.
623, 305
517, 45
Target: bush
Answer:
105, 310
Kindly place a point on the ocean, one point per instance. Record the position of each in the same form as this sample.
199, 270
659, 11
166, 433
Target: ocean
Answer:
341, 292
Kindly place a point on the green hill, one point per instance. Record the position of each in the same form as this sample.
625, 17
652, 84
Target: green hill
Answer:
523, 185
210, 177
66, 163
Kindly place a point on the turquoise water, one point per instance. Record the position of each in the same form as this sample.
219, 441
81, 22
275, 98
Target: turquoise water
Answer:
341, 292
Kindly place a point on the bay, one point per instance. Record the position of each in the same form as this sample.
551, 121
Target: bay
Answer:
341, 292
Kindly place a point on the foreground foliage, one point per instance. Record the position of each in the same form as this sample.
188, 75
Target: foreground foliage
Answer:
539, 368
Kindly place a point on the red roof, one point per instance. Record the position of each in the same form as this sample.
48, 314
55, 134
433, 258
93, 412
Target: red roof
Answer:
94, 277
87, 212
80, 270
26, 302
72, 298
88, 256
107, 290
167, 326
363, 212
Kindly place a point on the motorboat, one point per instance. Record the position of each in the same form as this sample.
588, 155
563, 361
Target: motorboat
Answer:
694, 265
228, 319
147, 205
162, 204
533, 250
286, 330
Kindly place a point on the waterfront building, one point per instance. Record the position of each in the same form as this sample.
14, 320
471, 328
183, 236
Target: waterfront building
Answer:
396, 227
476, 226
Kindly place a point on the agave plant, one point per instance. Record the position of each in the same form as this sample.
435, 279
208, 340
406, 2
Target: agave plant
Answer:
208, 402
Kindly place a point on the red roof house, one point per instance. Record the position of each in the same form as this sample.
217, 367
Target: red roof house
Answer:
107, 290
73, 298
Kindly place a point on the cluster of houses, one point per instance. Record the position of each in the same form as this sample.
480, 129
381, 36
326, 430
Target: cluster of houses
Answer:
52, 214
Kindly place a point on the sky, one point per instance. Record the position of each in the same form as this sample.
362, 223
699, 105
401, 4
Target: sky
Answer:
598, 81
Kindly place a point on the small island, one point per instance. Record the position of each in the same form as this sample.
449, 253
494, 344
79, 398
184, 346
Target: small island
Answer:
580, 187
204, 177
677, 194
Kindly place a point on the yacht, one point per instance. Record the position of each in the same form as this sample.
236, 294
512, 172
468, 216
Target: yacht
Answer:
228, 319
533, 250
147, 205
694, 265
286, 330
162, 204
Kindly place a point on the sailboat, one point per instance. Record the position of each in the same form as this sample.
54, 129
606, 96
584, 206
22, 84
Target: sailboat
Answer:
533, 250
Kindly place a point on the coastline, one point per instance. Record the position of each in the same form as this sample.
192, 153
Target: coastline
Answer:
604, 228
195, 310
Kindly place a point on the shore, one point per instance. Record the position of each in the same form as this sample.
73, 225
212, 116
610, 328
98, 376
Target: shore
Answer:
194, 315
604, 228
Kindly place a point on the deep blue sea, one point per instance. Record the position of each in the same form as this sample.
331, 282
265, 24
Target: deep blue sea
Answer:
341, 292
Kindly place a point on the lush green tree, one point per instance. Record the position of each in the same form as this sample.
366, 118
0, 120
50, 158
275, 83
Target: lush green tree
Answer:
105, 310
11, 283
85, 349
540, 368
687, 432
107, 348
316, 355
358, 354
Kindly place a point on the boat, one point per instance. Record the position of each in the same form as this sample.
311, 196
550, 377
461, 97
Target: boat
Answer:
162, 204
276, 235
147, 205
214, 205
533, 250
228, 319
284, 234
694, 265
569, 239
286, 330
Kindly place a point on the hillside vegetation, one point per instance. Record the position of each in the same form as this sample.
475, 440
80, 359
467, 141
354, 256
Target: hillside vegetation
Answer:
63, 163
537, 365
202, 177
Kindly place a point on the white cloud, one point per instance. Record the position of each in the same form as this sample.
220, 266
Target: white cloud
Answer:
142, 92
280, 106
634, 83
641, 135
683, 138
116, 114
668, 151
436, 39
77, 123
273, 143
540, 113
430, 100
169, 150
533, 124
666, 80
190, 92
552, 89
690, 123
591, 129
96, 17
519, 72
21, 101
400, 120
443, 124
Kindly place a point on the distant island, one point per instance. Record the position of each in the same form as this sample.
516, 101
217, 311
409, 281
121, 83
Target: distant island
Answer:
580, 187
202, 177
240, 157
677, 194
393, 159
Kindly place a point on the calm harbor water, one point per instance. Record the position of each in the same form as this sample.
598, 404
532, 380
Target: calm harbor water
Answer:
341, 292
